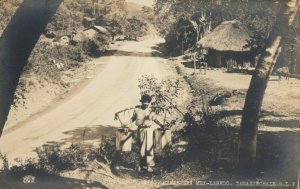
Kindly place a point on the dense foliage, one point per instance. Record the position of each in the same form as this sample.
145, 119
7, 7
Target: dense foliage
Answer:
109, 14
175, 18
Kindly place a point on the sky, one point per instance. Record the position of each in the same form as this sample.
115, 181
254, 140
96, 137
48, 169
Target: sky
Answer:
142, 2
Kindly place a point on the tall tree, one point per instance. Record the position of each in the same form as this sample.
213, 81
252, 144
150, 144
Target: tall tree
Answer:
258, 85
114, 26
16, 44
135, 28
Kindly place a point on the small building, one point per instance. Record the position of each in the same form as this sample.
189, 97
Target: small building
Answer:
99, 29
89, 33
88, 22
227, 42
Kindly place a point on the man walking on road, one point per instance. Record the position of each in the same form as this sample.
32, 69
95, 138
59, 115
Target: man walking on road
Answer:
145, 120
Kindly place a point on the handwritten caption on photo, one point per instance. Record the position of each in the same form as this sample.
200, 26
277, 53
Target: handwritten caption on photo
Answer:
265, 184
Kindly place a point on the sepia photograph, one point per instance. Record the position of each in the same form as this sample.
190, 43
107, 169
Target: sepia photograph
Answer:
149, 94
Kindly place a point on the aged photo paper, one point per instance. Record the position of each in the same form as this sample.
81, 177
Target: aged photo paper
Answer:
138, 94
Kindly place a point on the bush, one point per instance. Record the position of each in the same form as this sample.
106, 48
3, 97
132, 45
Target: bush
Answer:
96, 46
107, 153
92, 47
53, 159
4, 160
43, 55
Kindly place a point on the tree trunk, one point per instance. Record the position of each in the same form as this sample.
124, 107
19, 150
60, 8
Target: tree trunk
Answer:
16, 44
258, 85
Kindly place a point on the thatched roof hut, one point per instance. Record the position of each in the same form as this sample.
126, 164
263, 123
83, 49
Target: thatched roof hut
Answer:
89, 33
227, 41
228, 36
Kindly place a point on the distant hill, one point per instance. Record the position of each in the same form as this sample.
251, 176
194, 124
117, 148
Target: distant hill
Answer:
133, 9
148, 3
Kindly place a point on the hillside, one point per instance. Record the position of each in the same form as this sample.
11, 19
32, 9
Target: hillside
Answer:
56, 63
133, 9
148, 3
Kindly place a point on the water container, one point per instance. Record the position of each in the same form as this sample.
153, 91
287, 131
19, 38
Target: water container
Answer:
162, 139
123, 140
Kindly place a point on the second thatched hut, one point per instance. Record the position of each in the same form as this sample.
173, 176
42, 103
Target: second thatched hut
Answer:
90, 33
227, 42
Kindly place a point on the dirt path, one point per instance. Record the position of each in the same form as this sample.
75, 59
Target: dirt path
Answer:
92, 108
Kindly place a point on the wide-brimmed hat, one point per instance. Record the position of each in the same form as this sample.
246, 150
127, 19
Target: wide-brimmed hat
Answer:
146, 98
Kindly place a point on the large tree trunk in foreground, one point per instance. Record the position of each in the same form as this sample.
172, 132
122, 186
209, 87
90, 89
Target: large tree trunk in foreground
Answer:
16, 44
258, 85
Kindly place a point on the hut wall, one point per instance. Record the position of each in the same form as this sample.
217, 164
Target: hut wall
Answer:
214, 58
219, 59
239, 57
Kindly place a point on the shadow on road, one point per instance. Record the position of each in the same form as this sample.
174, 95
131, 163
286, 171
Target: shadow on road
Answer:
265, 113
157, 51
86, 137
226, 113
129, 53
93, 132
291, 123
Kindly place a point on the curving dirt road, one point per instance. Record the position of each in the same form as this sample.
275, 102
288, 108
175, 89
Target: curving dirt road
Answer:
92, 108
